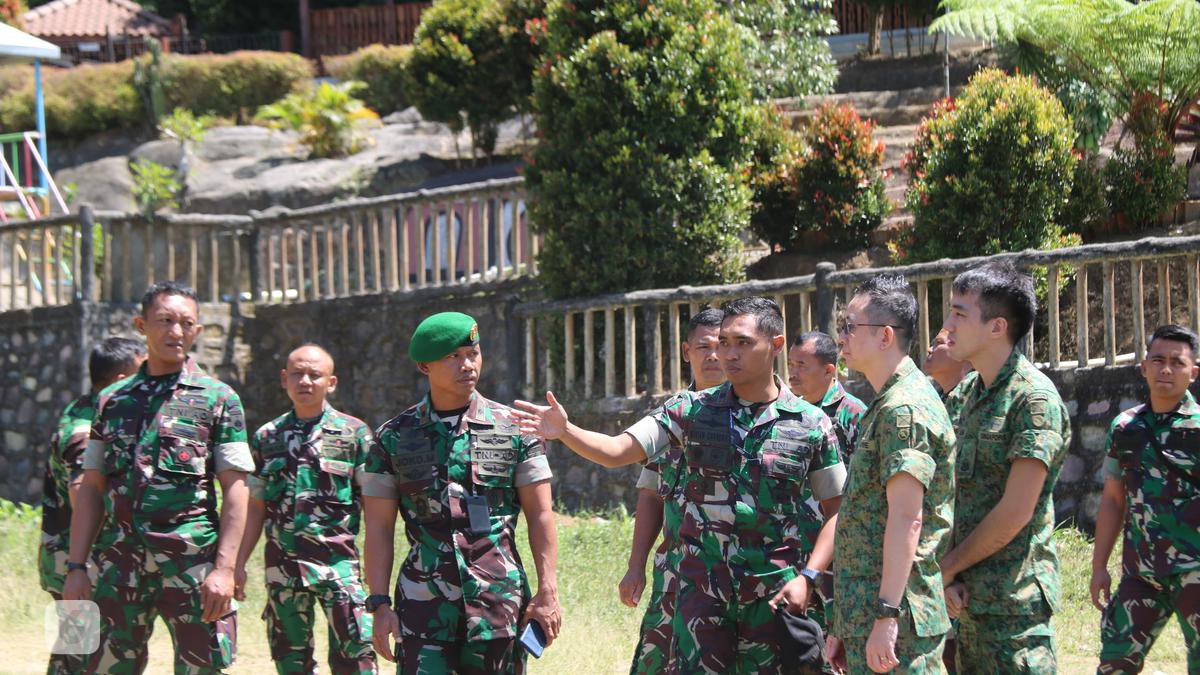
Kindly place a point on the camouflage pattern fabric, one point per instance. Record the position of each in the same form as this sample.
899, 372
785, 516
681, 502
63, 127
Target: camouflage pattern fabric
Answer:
160, 440
129, 612
917, 656
476, 657
305, 474
846, 411
1019, 416
733, 477
1162, 530
989, 643
289, 616
458, 583
1137, 613
905, 430
653, 651
64, 460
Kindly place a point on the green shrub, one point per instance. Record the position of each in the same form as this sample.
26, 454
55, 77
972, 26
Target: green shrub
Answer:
645, 115
154, 186
325, 116
185, 126
382, 69
989, 170
1085, 211
232, 85
788, 52
1144, 182
79, 101
834, 186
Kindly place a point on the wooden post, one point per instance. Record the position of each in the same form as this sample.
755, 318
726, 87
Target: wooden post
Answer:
654, 365
376, 263
1052, 319
1081, 314
405, 230
214, 265
283, 264
589, 351
469, 207
806, 313
437, 244
630, 353
298, 242
569, 350
673, 346
391, 254
1139, 310
87, 254
781, 367
1110, 316
825, 301
530, 362
610, 352
1193, 292
1164, 293
922, 320
343, 234
452, 247
360, 265
255, 261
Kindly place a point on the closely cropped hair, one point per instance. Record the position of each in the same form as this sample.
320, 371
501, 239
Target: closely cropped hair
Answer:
891, 303
768, 319
1176, 333
167, 288
823, 346
710, 317
114, 355
1004, 291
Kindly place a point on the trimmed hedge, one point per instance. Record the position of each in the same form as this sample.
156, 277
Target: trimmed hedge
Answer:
92, 98
381, 68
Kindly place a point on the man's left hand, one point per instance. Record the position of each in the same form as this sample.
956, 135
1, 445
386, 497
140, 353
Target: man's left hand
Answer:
881, 646
216, 593
544, 609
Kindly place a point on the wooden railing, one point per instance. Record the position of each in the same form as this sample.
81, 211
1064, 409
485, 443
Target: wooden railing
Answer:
1100, 302
440, 237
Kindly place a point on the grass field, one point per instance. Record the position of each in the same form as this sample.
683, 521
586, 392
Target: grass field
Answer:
598, 632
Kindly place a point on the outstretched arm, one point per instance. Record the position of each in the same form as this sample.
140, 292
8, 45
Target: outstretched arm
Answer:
550, 422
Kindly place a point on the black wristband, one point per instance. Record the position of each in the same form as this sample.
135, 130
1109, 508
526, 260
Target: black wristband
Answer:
374, 602
72, 566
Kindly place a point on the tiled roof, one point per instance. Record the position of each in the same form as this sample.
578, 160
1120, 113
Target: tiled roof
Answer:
80, 18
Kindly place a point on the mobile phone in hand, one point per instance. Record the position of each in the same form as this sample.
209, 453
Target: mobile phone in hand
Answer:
533, 639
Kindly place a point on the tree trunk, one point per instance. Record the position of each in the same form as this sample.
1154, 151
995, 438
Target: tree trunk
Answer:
875, 17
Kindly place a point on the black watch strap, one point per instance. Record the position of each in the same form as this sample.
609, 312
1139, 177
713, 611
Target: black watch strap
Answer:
812, 575
886, 611
72, 566
374, 602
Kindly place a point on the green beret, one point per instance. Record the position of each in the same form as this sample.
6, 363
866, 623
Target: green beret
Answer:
440, 334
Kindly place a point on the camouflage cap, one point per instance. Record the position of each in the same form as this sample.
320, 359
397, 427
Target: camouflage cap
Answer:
440, 334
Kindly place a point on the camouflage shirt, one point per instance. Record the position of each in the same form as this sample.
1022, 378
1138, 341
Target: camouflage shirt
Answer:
905, 430
305, 475
1158, 457
1019, 416
64, 460
846, 410
457, 576
161, 440
733, 478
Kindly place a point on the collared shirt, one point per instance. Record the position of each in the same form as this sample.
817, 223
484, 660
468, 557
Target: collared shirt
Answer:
305, 476
906, 429
1158, 457
1020, 416
64, 460
846, 411
161, 440
733, 475
456, 575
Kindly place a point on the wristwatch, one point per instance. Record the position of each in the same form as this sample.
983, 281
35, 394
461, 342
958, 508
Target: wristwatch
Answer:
374, 602
886, 611
813, 576
72, 566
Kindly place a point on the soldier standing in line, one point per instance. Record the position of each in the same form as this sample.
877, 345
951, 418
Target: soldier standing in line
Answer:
159, 440
735, 460
1152, 487
1013, 432
943, 370
110, 361
653, 651
888, 611
460, 473
812, 375
303, 489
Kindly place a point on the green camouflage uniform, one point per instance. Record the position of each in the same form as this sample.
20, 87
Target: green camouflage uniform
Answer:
1012, 595
1160, 559
305, 475
460, 592
905, 430
161, 441
732, 477
64, 460
653, 651
846, 410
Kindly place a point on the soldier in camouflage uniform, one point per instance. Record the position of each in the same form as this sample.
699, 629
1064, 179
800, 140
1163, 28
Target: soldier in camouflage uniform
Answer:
1152, 486
812, 375
459, 472
159, 440
734, 460
303, 489
889, 612
943, 370
653, 651
1013, 432
112, 360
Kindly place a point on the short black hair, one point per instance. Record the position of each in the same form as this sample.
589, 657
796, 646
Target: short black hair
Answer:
1004, 291
1176, 333
167, 288
891, 302
709, 317
768, 318
111, 357
824, 347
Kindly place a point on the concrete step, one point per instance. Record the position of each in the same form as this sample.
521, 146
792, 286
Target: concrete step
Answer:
888, 108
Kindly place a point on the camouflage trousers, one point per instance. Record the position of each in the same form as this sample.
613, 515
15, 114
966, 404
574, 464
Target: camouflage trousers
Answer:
65, 664
416, 656
128, 614
994, 643
653, 651
1135, 617
917, 655
724, 635
289, 616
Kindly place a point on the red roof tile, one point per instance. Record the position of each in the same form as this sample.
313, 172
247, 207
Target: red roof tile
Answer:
81, 18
